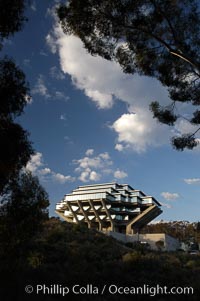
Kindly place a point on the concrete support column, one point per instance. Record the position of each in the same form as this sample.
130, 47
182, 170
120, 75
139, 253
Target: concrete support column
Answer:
85, 214
108, 214
96, 214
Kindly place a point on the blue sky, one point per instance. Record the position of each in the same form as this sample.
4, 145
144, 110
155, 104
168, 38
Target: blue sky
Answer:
90, 123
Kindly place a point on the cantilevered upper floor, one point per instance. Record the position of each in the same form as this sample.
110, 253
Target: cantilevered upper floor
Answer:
109, 207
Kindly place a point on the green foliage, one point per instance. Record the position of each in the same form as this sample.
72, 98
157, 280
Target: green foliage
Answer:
23, 202
14, 92
35, 260
21, 216
68, 254
16, 148
11, 17
160, 244
148, 37
191, 264
196, 117
14, 152
163, 115
131, 257
185, 141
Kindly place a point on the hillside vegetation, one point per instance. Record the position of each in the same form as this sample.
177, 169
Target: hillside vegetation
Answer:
68, 254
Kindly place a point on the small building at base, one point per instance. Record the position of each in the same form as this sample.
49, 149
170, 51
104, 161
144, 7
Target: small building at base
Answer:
155, 241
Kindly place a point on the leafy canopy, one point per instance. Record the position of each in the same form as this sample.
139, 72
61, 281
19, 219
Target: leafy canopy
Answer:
15, 151
11, 17
14, 91
16, 148
23, 201
22, 215
155, 38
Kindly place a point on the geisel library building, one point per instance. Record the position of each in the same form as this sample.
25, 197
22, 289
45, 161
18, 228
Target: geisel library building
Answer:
109, 207
115, 209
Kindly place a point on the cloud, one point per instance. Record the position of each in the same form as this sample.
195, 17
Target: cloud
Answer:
33, 6
91, 167
60, 95
28, 99
26, 62
51, 43
40, 87
103, 82
89, 152
120, 174
192, 181
43, 53
168, 206
61, 178
170, 196
96, 162
88, 73
94, 176
119, 147
56, 73
68, 140
88, 175
95, 167
138, 131
35, 162
45, 171
36, 166
63, 117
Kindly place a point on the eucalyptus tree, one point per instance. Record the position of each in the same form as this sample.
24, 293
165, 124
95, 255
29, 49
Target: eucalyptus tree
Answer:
16, 148
11, 17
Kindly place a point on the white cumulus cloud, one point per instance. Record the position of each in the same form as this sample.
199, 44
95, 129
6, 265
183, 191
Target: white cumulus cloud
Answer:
119, 147
94, 176
170, 196
95, 167
139, 131
192, 181
120, 174
35, 162
99, 161
36, 166
62, 178
91, 167
89, 152
51, 43
45, 171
